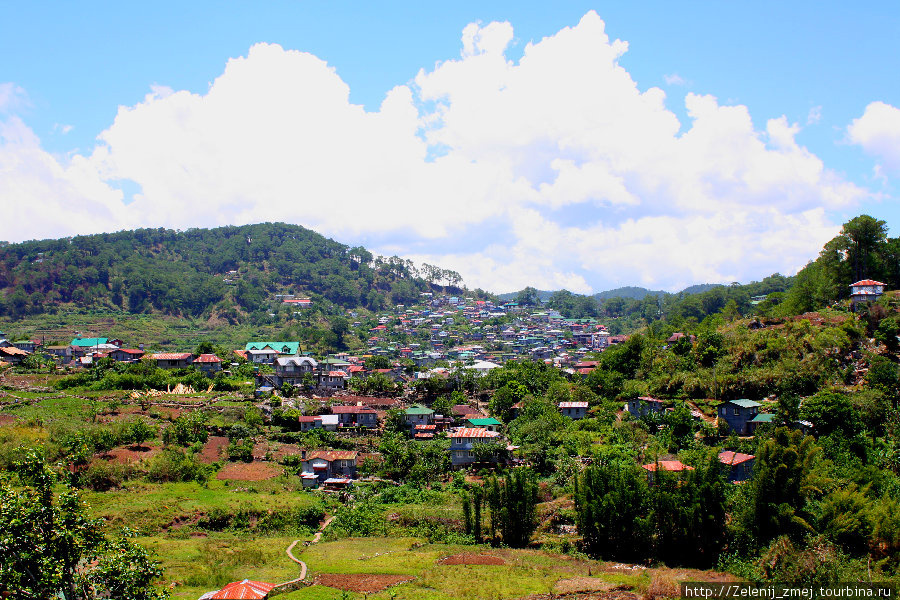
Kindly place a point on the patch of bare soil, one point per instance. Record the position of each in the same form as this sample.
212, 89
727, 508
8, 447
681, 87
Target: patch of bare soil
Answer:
128, 454
213, 449
9, 419
255, 471
260, 449
470, 558
818, 319
286, 450
362, 582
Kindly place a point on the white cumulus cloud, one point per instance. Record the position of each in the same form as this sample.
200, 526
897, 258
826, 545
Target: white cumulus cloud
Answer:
556, 170
878, 132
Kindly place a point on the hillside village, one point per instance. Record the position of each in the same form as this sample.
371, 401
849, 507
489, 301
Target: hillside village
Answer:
444, 416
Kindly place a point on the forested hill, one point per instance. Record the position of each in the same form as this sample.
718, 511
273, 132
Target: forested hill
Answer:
227, 271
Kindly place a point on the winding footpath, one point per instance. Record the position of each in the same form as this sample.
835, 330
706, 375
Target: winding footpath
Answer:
315, 539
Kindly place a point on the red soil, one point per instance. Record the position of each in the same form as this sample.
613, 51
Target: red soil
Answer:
255, 471
8, 420
214, 449
128, 454
362, 582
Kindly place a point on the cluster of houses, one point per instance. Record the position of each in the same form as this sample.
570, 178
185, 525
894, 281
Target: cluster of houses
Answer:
457, 328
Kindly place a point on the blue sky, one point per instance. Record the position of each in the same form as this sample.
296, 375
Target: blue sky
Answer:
568, 170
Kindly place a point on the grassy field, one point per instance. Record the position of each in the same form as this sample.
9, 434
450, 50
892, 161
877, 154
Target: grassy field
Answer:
200, 564
175, 508
525, 572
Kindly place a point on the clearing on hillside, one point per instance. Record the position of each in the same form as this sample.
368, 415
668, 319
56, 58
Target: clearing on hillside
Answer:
361, 582
255, 471
213, 448
128, 454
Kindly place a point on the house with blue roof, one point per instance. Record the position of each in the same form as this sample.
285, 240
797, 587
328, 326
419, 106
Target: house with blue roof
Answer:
739, 414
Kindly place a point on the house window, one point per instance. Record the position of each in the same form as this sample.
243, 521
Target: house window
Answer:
737, 411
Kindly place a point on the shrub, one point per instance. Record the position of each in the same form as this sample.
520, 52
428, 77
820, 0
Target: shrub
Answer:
241, 450
175, 465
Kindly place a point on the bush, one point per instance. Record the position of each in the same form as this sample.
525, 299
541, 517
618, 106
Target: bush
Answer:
175, 465
103, 476
241, 450
187, 429
357, 520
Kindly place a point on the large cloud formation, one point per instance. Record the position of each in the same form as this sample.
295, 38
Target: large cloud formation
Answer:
554, 171
877, 131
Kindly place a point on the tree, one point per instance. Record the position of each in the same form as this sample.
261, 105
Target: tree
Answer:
528, 297
49, 547
513, 502
860, 238
612, 510
340, 326
141, 432
784, 480
504, 398
831, 412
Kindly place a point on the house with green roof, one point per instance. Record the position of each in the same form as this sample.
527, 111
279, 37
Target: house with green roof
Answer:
738, 414
489, 423
418, 415
88, 342
761, 419
282, 348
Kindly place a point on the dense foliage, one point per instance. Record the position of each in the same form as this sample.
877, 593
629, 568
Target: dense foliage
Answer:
50, 547
228, 271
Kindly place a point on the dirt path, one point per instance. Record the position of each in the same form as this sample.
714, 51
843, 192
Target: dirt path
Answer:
703, 415
315, 539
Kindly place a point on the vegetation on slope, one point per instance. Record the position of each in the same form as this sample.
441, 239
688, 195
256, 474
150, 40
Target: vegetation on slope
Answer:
230, 271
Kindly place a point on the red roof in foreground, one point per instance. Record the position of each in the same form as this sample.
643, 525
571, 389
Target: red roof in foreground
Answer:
728, 457
866, 282
244, 589
668, 465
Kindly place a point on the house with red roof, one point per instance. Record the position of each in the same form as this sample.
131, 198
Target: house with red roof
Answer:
672, 466
866, 290
738, 466
355, 416
330, 464
644, 405
573, 410
209, 364
333, 380
308, 422
236, 590
126, 354
463, 441
172, 360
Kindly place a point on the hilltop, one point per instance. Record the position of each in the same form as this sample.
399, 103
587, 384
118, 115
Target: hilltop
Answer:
228, 272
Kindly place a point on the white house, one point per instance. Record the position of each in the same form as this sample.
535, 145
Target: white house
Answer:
866, 290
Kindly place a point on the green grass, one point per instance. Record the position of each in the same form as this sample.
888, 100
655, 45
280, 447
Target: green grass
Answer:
525, 572
200, 565
155, 507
